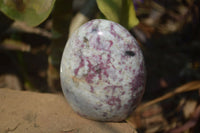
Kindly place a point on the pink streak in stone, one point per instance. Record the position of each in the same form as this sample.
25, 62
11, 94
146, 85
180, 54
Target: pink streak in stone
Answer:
114, 101
109, 61
120, 80
130, 46
80, 66
113, 32
120, 71
98, 46
89, 24
98, 40
123, 93
91, 74
133, 71
104, 68
105, 73
99, 69
113, 88
126, 68
111, 43
82, 46
140, 78
133, 45
137, 82
90, 77
95, 70
91, 89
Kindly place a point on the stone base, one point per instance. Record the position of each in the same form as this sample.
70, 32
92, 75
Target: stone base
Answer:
31, 112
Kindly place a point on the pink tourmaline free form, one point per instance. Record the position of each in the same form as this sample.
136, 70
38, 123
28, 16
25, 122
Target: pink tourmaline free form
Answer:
102, 71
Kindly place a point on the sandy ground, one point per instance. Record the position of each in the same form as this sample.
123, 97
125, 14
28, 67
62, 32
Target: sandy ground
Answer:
31, 112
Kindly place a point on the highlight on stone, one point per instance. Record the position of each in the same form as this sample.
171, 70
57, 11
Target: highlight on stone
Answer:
102, 71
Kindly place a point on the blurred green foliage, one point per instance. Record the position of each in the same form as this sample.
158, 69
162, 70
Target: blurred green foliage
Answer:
120, 11
33, 12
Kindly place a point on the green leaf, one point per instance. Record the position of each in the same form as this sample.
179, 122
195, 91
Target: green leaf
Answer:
32, 12
120, 11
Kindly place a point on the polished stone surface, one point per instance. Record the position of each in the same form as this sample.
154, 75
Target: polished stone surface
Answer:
102, 71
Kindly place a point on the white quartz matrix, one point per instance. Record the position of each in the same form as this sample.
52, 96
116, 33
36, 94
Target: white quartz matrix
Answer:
102, 71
